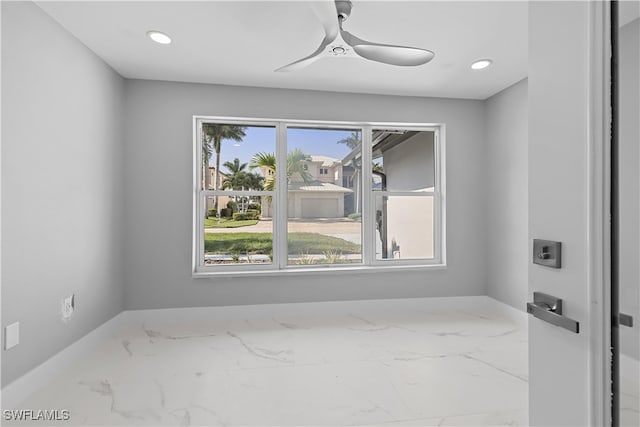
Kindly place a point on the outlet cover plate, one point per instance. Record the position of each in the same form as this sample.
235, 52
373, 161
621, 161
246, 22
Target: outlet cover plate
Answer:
68, 305
12, 335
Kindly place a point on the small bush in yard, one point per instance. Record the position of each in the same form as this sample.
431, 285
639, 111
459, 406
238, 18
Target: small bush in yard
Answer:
254, 205
212, 212
241, 216
233, 206
253, 213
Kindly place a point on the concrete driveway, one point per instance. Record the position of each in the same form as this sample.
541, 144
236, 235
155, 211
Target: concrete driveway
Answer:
343, 228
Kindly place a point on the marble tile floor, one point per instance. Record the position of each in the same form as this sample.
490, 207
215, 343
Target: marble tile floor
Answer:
390, 365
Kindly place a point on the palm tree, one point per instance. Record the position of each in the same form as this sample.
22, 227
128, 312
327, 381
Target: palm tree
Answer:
235, 166
352, 141
267, 162
238, 178
295, 167
213, 135
234, 173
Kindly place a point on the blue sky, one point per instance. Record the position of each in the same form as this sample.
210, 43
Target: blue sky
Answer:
310, 141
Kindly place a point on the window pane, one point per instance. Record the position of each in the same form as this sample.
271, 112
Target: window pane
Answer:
403, 160
243, 155
241, 240
404, 227
324, 196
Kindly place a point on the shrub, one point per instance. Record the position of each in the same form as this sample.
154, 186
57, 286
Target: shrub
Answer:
212, 212
242, 216
333, 257
356, 216
224, 212
254, 205
233, 206
253, 213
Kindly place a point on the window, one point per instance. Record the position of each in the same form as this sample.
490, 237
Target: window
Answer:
332, 213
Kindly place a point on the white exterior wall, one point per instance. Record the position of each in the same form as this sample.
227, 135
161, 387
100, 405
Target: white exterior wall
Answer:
410, 166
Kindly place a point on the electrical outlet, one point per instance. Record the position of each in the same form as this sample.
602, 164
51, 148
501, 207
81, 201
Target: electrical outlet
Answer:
68, 305
12, 335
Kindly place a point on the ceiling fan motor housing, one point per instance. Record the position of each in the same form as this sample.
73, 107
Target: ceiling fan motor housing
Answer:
344, 9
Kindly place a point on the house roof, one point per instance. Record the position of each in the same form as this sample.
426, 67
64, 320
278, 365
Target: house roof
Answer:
317, 186
324, 160
383, 140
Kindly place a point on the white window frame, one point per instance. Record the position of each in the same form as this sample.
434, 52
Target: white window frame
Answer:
279, 264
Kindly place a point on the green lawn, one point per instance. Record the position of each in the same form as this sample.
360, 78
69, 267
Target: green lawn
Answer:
261, 243
228, 223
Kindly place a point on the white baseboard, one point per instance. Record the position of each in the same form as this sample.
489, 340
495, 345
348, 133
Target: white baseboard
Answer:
512, 313
14, 393
18, 390
191, 314
631, 369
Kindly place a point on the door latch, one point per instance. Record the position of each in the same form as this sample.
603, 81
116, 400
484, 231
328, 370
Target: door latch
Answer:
547, 253
549, 308
625, 320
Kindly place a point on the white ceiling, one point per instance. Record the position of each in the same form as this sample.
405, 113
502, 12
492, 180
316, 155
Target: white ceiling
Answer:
242, 42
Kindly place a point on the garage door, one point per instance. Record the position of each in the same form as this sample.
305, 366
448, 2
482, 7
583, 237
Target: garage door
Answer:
319, 208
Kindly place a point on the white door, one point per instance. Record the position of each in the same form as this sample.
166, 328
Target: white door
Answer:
568, 139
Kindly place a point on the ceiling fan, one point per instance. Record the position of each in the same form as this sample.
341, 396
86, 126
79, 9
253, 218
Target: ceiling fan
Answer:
338, 42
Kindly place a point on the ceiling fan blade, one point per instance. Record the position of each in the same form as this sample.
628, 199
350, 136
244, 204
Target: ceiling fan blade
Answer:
328, 16
301, 63
388, 54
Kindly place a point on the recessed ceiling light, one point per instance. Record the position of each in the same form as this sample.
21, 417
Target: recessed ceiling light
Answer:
481, 64
159, 37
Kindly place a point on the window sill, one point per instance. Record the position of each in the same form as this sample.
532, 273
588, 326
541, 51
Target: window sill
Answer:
318, 271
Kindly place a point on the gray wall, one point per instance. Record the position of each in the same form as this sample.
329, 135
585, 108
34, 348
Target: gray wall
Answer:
62, 187
506, 188
158, 158
629, 39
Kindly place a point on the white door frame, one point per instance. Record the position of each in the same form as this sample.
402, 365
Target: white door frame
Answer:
599, 238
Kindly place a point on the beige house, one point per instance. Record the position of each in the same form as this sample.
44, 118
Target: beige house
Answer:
222, 200
322, 196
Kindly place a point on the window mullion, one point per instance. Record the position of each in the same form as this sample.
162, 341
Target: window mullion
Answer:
368, 220
280, 214
198, 212
199, 226
440, 178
